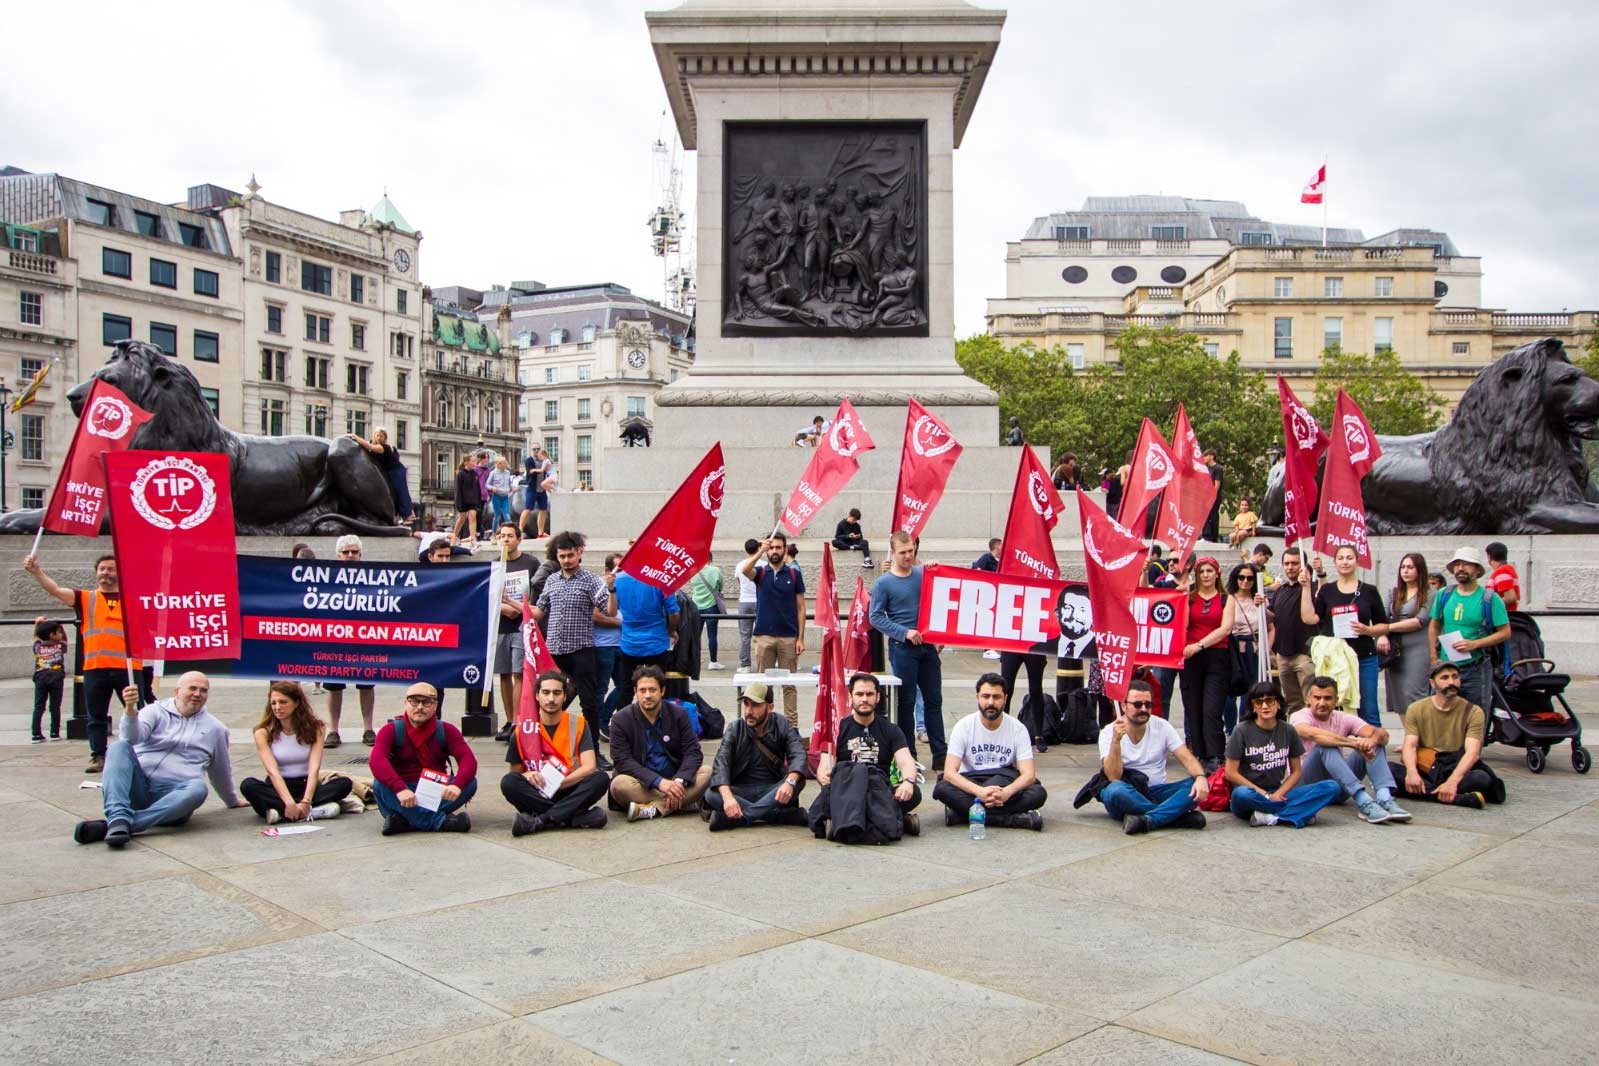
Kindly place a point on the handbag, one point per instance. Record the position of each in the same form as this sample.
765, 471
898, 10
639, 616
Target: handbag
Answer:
1221, 793
1242, 658
717, 603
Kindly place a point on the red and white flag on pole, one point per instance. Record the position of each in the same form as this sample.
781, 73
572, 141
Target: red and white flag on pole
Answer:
1304, 441
925, 462
1312, 191
1188, 499
832, 701
536, 659
676, 543
1035, 508
107, 424
1152, 470
1114, 557
858, 631
835, 462
1354, 451
827, 593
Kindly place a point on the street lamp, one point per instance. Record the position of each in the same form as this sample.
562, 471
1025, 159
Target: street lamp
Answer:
321, 419
5, 441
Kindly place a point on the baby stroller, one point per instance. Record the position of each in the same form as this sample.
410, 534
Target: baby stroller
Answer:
1530, 709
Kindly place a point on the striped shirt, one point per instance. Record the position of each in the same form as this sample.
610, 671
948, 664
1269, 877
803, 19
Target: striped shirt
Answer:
568, 603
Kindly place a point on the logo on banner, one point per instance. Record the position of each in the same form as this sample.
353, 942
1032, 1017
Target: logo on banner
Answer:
1157, 468
1162, 613
929, 438
471, 674
842, 437
711, 490
1093, 550
109, 417
1038, 495
1305, 429
173, 493
1355, 439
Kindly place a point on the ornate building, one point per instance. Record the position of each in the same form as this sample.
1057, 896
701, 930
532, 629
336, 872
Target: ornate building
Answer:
469, 393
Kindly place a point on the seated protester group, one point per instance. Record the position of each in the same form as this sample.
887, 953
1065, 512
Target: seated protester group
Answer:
1132, 757
289, 740
153, 773
1263, 766
1444, 735
1340, 747
416, 743
659, 766
554, 746
760, 768
990, 761
873, 758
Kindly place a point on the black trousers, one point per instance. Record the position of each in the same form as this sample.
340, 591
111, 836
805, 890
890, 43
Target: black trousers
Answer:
584, 668
861, 546
1204, 680
1012, 661
1028, 799
1476, 779
626, 664
48, 692
263, 797
566, 803
99, 686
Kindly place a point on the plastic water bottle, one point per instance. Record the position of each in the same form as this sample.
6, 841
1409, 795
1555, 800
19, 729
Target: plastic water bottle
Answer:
977, 820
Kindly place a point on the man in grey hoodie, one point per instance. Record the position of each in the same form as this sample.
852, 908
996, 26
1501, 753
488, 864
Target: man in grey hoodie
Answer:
154, 774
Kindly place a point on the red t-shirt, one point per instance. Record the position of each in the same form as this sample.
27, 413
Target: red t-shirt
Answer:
1204, 616
1503, 580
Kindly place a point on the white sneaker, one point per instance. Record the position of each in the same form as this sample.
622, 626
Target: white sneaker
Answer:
324, 811
351, 805
990, 654
274, 817
714, 666
638, 811
1262, 818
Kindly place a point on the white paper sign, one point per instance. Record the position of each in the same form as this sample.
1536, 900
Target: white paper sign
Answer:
289, 830
1449, 643
552, 778
430, 791
1343, 622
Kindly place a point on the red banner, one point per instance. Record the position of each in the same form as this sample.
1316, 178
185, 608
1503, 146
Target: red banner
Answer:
832, 701
858, 631
1187, 500
108, 423
827, 593
536, 659
1152, 470
830, 469
172, 532
1034, 510
1304, 441
978, 609
1161, 616
925, 462
676, 543
1115, 560
1354, 451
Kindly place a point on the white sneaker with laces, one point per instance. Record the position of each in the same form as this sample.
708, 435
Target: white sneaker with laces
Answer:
274, 817
1262, 818
324, 811
990, 654
714, 666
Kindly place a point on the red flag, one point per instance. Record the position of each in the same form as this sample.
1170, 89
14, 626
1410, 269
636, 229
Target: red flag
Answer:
676, 543
1152, 470
1114, 556
830, 469
1354, 451
536, 659
108, 423
1034, 509
832, 701
1312, 190
1187, 500
858, 631
172, 532
1304, 441
827, 592
925, 462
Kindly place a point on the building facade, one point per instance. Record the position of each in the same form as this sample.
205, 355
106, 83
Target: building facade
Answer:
38, 327
469, 393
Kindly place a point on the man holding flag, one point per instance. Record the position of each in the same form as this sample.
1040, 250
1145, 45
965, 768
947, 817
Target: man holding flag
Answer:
554, 781
896, 607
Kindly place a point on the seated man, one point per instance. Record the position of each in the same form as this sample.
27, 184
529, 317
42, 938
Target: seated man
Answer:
1138, 742
553, 741
416, 743
659, 766
1343, 748
865, 737
1443, 745
759, 769
153, 774
990, 761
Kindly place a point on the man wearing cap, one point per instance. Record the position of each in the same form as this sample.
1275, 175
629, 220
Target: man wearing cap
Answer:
1444, 734
348, 549
1466, 620
759, 769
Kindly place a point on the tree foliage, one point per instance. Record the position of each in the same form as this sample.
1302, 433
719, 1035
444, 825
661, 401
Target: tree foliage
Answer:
1394, 400
1588, 358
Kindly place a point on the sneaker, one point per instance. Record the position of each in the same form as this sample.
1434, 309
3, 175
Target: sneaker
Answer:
990, 654
921, 735
117, 834
1396, 813
639, 811
459, 822
818, 828
332, 741
1025, 820
394, 825
713, 665
867, 564
352, 805
593, 818
913, 825
526, 824
369, 737
324, 811
96, 764
789, 816
1039, 747
1135, 824
90, 832
1189, 820
54, 737
37, 740
953, 817
605, 734
603, 763
720, 821
1262, 818
274, 816
1372, 812
1474, 800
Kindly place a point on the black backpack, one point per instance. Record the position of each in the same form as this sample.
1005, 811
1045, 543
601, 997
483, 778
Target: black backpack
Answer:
438, 738
1081, 718
713, 723
1044, 724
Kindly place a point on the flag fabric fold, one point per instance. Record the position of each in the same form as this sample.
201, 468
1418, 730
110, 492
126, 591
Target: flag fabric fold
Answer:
1114, 557
536, 659
108, 424
1035, 508
858, 631
1312, 192
30, 392
677, 541
835, 461
925, 461
1304, 441
1353, 452
1186, 502
827, 593
832, 701
1152, 470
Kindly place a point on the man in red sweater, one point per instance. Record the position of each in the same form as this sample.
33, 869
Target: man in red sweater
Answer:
399, 764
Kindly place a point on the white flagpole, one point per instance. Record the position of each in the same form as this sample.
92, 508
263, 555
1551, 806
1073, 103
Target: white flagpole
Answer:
1324, 202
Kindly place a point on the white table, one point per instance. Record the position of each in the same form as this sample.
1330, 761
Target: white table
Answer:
810, 680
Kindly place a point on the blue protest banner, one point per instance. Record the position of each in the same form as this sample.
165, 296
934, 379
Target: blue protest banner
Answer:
371, 623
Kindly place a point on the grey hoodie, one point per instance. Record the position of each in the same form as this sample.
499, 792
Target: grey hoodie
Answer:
171, 747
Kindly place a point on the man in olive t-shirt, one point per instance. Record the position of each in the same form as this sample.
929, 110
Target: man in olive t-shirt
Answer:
1444, 734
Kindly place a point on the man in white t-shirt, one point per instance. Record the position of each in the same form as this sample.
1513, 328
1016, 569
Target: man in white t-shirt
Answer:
990, 761
746, 606
1137, 741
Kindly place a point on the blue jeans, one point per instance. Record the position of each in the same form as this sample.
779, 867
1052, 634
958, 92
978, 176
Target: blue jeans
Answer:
710, 638
605, 689
919, 672
1368, 690
144, 802
1298, 809
757, 801
420, 817
1347, 766
1164, 804
1476, 684
502, 509
1229, 714
921, 712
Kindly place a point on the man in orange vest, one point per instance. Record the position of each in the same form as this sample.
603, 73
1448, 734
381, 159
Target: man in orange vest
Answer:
105, 647
554, 745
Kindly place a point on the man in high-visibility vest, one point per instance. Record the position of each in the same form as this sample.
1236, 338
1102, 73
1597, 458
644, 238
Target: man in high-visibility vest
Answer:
105, 647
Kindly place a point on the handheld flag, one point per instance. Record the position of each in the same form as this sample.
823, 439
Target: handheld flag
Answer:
1115, 560
835, 462
1354, 451
108, 424
677, 541
1035, 508
1304, 441
925, 462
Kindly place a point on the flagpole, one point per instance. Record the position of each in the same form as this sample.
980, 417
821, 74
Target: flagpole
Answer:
37, 536
1324, 201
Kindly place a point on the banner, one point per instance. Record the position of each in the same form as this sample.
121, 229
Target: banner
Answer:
536, 659
925, 462
373, 623
857, 634
1034, 510
676, 543
1152, 470
1115, 559
1354, 451
827, 593
832, 701
108, 423
172, 533
1187, 500
1304, 441
1161, 617
978, 609
830, 468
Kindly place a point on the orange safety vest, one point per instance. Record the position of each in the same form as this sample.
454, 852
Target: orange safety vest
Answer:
563, 745
100, 629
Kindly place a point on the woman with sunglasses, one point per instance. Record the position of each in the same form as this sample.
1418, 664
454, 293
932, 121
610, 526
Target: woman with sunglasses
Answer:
1207, 665
1243, 640
1263, 766
1353, 610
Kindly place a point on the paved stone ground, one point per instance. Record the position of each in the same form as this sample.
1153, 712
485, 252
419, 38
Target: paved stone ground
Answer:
1465, 936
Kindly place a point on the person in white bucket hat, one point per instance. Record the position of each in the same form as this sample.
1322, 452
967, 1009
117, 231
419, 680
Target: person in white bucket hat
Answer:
1467, 620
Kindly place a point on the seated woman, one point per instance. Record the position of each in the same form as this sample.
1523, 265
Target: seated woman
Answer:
289, 740
1263, 757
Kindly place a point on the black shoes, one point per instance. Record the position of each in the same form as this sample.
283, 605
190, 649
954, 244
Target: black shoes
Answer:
720, 821
593, 818
90, 832
1189, 820
1025, 820
526, 824
1134, 824
459, 822
789, 816
394, 825
117, 834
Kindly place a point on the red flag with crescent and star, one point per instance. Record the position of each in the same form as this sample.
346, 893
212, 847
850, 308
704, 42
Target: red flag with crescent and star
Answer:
677, 542
1114, 557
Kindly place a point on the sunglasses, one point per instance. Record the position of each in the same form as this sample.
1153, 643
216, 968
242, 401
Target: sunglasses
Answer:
1140, 705
1263, 701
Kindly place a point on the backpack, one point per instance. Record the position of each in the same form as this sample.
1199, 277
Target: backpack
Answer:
1219, 798
1044, 724
438, 738
1488, 595
1081, 718
711, 722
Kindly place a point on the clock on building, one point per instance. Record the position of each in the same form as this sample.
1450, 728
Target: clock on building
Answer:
402, 260
636, 359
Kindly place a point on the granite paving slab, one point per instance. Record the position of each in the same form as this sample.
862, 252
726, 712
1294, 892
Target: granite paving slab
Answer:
34, 821
1579, 827
1550, 867
54, 865
1111, 1045
1009, 852
238, 841
622, 847
518, 1041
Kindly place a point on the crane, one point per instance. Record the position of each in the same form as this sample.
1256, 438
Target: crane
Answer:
668, 236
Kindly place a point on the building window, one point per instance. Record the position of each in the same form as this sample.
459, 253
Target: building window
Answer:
1283, 338
1074, 353
115, 328
316, 420
31, 308
399, 301
355, 422
1382, 334
1071, 233
441, 469
117, 263
147, 224
1332, 333
1169, 233
400, 434
521, 414
272, 418
588, 334
585, 372
33, 498
314, 277
585, 448
1213, 350
358, 336
404, 347
24, 240
163, 273
552, 445
583, 410
193, 236
164, 337
318, 327
30, 367
441, 412
213, 400
274, 267
585, 480
274, 318
1385, 286
274, 364
1457, 348
552, 410
551, 375
402, 381
206, 346
635, 407
357, 289
558, 335
1282, 288
102, 213
1332, 288
355, 378
1253, 237
316, 372
205, 282
33, 438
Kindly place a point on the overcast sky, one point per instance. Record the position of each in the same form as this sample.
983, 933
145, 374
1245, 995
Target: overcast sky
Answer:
517, 135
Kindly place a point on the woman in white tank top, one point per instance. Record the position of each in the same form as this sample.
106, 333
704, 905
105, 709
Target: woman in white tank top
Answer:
289, 741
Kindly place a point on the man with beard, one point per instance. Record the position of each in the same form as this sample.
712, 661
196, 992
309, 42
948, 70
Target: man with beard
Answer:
554, 742
759, 768
1466, 620
779, 615
896, 607
1076, 615
990, 761
1137, 742
1444, 734
660, 768
1343, 748
866, 737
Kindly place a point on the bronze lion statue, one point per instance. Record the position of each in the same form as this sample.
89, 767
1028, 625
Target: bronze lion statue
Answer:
1510, 460
282, 486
